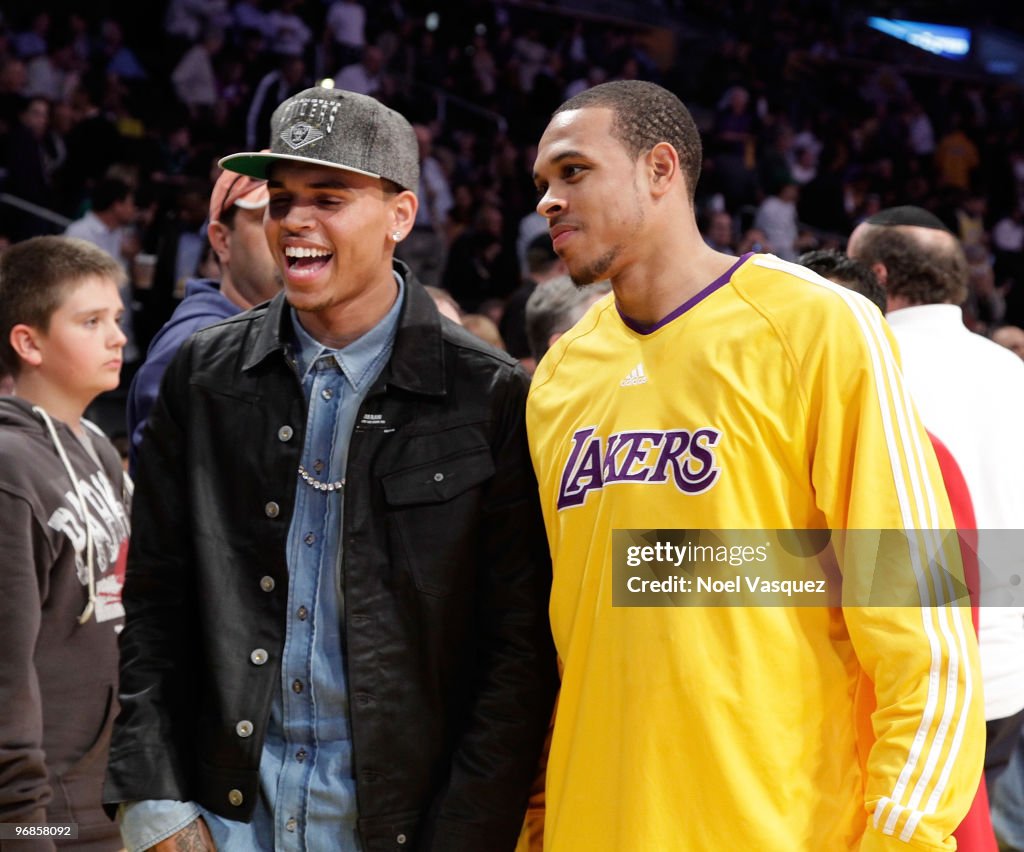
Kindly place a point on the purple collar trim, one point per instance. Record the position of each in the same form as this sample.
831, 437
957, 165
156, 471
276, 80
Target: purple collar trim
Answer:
721, 281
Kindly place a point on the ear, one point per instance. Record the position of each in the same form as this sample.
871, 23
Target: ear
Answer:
219, 237
881, 273
24, 340
663, 168
403, 212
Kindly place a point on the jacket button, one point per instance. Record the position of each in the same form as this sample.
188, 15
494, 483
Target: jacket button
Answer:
291, 825
438, 477
285, 433
400, 840
272, 510
243, 729
235, 797
258, 657
267, 584
296, 686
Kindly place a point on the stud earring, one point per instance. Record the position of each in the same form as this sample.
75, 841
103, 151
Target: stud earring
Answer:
396, 235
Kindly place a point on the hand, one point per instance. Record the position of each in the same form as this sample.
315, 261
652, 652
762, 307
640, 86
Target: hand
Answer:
194, 837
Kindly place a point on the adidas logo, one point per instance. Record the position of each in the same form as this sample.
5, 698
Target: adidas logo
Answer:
636, 376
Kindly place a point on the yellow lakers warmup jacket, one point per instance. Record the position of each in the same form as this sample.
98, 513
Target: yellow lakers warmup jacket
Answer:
771, 400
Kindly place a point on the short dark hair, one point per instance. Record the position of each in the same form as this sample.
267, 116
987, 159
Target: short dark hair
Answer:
108, 192
35, 278
843, 269
646, 114
922, 271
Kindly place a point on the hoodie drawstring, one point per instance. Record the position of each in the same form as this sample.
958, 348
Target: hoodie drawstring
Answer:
90, 559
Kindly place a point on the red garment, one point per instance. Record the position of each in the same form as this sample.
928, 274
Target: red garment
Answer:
975, 833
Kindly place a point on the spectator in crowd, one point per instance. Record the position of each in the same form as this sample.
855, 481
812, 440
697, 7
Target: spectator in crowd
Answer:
287, 33
366, 76
842, 269
274, 88
110, 225
720, 232
970, 393
194, 78
424, 249
1008, 247
63, 532
777, 217
186, 20
975, 833
249, 15
54, 75
399, 558
542, 265
28, 174
479, 265
485, 328
956, 157
1011, 337
247, 278
346, 23
556, 307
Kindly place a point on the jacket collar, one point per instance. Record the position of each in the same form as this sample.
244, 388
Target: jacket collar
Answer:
417, 361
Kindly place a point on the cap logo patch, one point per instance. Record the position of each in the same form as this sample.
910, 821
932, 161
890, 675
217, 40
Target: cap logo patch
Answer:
300, 135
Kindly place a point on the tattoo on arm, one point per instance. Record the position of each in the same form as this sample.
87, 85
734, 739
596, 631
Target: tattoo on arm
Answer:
191, 839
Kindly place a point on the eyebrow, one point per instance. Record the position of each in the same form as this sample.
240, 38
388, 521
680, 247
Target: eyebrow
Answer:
97, 309
564, 155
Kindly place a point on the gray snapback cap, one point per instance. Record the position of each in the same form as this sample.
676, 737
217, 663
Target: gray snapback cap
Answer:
343, 130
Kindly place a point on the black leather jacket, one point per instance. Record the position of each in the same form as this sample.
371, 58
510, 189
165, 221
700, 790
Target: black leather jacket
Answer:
451, 668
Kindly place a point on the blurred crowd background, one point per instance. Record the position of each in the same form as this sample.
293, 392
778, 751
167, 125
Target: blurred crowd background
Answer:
113, 117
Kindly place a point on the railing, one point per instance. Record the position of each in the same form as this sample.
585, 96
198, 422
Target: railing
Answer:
34, 209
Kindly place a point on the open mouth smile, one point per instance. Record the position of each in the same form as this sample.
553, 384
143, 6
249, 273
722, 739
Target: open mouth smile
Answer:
304, 261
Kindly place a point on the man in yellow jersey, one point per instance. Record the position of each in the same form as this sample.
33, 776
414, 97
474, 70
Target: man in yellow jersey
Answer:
710, 392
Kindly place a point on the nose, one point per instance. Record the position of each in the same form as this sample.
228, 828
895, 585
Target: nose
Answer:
296, 217
549, 205
118, 338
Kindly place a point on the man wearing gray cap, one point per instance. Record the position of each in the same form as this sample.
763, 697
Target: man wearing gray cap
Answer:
336, 633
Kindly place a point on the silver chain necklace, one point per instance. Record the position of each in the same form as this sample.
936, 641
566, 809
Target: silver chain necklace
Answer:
337, 485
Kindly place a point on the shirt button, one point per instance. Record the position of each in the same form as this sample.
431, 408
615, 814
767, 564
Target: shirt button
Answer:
272, 510
267, 584
244, 729
300, 755
296, 686
302, 613
291, 824
326, 393
438, 477
309, 539
235, 797
285, 433
400, 840
258, 657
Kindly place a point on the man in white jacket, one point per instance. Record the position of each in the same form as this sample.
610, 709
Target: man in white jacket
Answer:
970, 393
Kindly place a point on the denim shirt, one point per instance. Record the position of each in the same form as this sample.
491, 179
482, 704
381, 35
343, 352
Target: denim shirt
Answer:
307, 789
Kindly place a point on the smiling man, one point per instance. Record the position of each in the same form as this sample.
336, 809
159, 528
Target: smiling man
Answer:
710, 392
336, 633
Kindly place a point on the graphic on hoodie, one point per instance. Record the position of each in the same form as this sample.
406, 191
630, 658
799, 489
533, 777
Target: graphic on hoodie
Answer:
109, 524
